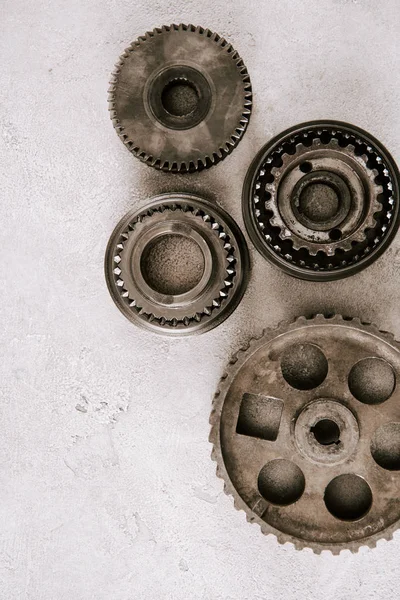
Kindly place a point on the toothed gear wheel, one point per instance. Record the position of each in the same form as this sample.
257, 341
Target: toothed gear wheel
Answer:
321, 200
306, 433
180, 98
177, 266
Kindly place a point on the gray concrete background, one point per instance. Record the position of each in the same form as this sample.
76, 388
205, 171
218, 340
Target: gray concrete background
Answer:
107, 489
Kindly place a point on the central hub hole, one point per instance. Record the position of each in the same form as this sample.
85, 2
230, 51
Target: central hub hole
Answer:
172, 264
180, 98
319, 202
326, 432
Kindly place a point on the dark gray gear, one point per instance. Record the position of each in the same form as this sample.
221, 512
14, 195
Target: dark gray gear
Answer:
177, 266
321, 200
180, 98
306, 433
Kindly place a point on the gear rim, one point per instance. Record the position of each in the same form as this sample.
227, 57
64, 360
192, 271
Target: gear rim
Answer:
253, 514
352, 214
225, 276
231, 123
268, 242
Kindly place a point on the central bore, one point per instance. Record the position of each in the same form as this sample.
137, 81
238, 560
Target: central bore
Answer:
172, 264
319, 202
326, 432
180, 98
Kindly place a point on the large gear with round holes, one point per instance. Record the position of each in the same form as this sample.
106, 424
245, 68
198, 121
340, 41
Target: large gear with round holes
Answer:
306, 433
321, 200
177, 266
180, 98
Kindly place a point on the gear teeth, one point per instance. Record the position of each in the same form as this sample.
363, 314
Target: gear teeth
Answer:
201, 162
284, 233
313, 249
214, 438
313, 252
285, 157
221, 236
275, 223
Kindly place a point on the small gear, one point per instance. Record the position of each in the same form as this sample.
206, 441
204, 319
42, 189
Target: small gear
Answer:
299, 440
180, 98
321, 200
177, 266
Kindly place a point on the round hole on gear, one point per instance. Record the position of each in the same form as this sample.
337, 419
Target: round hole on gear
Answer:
348, 497
180, 78
172, 264
335, 235
306, 167
372, 380
304, 366
385, 446
319, 202
326, 432
324, 196
180, 98
281, 482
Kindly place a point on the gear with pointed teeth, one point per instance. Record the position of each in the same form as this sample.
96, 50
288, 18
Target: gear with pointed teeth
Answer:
177, 266
299, 439
321, 200
180, 98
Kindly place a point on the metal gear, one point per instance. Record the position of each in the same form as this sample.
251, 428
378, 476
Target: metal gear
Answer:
180, 98
298, 438
321, 200
177, 266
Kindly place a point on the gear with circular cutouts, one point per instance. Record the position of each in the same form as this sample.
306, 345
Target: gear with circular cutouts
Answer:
177, 266
180, 98
306, 433
321, 200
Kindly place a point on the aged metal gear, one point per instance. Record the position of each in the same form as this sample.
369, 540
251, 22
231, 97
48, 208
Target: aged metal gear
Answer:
177, 266
180, 98
321, 200
299, 438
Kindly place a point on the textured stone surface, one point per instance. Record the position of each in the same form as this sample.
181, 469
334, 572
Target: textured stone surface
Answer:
107, 490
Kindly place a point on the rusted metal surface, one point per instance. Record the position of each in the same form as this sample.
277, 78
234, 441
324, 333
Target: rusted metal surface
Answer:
180, 98
306, 433
321, 200
177, 266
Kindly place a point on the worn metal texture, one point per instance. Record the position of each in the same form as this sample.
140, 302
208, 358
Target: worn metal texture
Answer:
107, 486
180, 98
306, 435
321, 200
178, 266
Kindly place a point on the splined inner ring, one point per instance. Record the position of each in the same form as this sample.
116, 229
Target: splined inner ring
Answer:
353, 201
177, 266
178, 78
